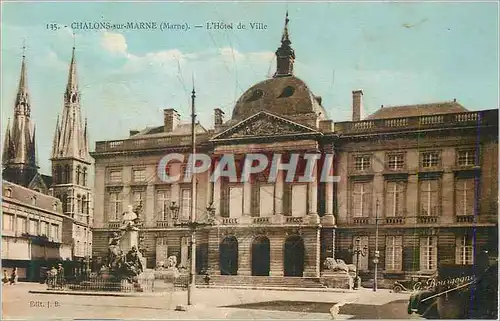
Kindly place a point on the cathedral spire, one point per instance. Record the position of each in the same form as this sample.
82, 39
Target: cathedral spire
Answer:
22, 104
285, 55
7, 148
72, 86
19, 156
69, 136
55, 142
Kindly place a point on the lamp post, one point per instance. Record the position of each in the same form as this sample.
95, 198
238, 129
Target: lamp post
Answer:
358, 251
377, 253
192, 225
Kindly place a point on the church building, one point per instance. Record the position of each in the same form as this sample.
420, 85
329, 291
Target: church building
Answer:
46, 219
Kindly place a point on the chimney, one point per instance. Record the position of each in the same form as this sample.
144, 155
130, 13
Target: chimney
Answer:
357, 104
133, 132
171, 119
218, 117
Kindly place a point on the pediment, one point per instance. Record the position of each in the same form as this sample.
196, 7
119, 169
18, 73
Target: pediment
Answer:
264, 124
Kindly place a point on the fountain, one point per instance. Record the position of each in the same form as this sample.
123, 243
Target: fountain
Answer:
125, 269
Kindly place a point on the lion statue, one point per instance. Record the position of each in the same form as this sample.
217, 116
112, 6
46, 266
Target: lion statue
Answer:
330, 264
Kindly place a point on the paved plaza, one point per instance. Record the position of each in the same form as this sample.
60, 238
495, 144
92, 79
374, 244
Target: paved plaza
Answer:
18, 303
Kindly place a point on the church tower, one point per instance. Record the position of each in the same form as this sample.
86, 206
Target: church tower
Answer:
285, 55
19, 153
71, 163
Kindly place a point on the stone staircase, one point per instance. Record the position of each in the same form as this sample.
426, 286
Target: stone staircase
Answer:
260, 281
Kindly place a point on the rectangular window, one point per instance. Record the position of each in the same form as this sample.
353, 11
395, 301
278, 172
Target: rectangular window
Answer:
430, 159
236, 201
465, 195
464, 250
429, 198
395, 200
43, 228
115, 175
115, 206
139, 175
55, 232
466, 157
428, 253
363, 260
396, 161
266, 200
362, 163
185, 207
299, 200
33, 227
163, 204
361, 199
8, 222
394, 253
21, 225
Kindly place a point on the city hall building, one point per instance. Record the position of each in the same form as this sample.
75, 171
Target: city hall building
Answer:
426, 175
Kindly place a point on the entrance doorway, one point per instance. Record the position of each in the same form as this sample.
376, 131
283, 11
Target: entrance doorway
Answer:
261, 257
294, 256
228, 250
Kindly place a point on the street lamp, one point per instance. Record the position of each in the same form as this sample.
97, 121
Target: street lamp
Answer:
377, 253
358, 251
192, 225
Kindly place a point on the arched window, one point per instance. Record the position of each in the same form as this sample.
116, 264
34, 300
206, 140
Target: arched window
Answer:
67, 176
58, 175
78, 174
84, 176
85, 205
64, 200
79, 204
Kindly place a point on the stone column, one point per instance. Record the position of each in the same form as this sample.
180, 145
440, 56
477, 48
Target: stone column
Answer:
312, 243
247, 204
278, 194
276, 246
213, 252
217, 191
328, 219
312, 190
245, 255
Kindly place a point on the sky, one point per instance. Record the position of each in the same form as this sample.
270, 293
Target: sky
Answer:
398, 53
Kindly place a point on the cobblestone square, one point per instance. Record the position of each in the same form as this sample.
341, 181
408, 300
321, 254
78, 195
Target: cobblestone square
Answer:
18, 303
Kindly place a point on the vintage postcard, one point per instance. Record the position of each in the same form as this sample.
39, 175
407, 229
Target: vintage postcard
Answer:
249, 160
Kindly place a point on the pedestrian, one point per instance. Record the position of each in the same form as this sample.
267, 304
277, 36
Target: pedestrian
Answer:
60, 275
13, 276
5, 278
52, 277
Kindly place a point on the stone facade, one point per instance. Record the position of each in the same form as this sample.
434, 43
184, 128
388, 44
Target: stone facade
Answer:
426, 175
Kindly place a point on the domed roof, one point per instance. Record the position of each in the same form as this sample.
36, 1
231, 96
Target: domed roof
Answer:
281, 95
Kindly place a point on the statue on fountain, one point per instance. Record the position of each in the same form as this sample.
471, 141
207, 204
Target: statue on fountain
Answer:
114, 252
132, 266
130, 219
